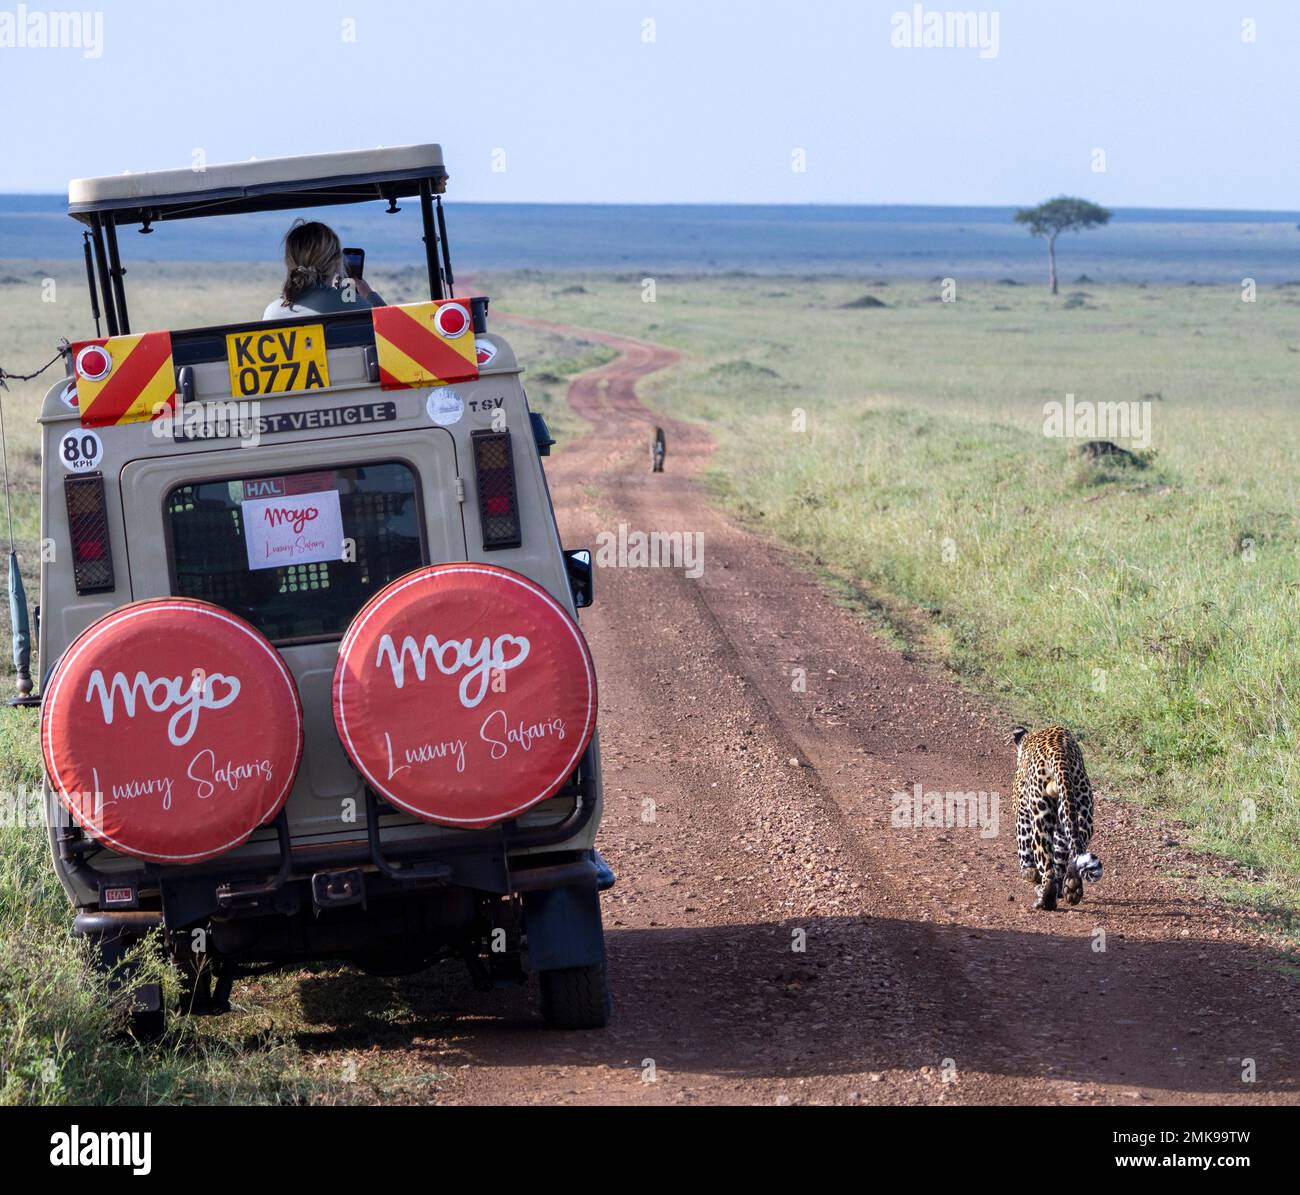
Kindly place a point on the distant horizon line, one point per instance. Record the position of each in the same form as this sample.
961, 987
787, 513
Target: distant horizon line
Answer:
1283, 213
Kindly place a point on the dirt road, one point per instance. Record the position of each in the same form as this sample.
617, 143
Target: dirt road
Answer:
773, 937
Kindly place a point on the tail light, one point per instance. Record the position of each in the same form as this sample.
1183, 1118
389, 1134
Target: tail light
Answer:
498, 509
92, 554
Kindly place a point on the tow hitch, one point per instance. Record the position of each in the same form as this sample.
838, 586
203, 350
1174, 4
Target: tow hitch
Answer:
337, 889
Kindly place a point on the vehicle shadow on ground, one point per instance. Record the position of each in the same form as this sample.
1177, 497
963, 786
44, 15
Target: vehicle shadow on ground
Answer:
866, 995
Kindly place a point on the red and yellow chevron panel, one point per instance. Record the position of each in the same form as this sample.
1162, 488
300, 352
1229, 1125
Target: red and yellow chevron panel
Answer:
124, 379
425, 344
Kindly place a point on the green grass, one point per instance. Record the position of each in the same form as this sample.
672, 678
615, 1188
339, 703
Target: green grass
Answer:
902, 449
63, 1037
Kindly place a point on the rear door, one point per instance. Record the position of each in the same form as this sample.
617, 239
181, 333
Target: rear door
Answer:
258, 531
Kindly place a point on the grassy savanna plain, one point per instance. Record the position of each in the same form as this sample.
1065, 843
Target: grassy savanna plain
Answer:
901, 449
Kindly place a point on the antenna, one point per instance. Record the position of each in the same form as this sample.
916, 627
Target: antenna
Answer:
90, 277
4, 453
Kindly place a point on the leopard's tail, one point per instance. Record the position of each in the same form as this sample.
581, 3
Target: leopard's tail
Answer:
1081, 860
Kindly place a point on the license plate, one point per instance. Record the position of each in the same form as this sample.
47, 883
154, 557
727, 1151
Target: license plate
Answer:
277, 360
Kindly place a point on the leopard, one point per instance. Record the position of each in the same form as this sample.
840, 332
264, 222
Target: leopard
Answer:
1054, 815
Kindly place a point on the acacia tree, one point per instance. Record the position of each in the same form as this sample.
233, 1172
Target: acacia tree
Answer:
1065, 213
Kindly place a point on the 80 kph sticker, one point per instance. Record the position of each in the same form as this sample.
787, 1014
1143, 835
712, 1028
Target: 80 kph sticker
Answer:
81, 451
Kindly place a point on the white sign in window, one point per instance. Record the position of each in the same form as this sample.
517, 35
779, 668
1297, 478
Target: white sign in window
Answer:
294, 529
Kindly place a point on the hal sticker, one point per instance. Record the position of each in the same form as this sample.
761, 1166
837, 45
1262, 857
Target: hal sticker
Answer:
445, 406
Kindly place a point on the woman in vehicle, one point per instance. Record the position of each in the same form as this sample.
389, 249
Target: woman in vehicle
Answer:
315, 283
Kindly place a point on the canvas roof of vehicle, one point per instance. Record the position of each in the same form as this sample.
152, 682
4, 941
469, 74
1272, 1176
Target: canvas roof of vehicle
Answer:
259, 185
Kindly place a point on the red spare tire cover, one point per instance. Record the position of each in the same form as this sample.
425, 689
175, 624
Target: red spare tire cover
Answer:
464, 694
171, 730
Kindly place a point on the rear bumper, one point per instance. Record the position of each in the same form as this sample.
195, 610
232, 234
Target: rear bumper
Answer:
132, 923
402, 924
592, 871
588, 871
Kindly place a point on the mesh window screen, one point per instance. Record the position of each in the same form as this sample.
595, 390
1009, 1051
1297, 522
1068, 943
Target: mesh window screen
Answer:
380, 510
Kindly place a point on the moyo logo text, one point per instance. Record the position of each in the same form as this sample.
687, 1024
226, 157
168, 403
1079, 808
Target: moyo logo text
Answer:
492, 658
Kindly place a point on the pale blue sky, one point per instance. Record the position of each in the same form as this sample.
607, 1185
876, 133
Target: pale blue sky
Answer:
586, 110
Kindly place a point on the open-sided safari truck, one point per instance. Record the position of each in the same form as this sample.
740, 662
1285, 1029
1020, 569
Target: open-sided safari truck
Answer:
313, 686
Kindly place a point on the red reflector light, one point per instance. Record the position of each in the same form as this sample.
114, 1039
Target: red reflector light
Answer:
494, 469
92, 556
94, 363
451, 320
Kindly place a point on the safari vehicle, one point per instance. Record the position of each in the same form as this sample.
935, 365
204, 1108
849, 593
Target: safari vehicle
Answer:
312, 683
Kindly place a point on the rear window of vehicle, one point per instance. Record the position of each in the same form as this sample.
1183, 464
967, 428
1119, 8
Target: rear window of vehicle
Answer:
296, 554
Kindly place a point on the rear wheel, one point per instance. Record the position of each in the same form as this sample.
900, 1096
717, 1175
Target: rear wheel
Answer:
576, 997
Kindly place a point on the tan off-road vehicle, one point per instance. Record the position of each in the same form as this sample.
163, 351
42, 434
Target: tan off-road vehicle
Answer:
312, 683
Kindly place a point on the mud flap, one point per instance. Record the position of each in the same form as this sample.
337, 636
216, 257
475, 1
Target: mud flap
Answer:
563, 928
112, 947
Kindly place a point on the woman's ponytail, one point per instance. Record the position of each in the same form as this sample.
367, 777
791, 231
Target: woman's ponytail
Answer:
312, 256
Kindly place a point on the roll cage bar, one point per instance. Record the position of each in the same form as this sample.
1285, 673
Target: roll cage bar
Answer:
105, 272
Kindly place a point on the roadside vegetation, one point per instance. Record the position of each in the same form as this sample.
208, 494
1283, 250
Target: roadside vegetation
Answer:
1150, 604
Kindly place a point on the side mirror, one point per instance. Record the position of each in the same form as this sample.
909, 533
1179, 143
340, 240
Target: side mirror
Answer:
577, 561
541, 433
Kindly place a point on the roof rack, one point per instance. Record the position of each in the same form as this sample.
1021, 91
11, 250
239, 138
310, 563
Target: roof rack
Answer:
267, 185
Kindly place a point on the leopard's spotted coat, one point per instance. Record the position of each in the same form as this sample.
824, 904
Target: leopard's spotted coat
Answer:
1053, 815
